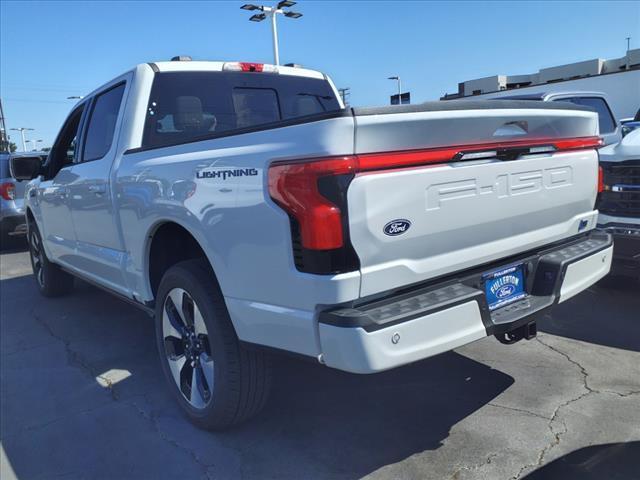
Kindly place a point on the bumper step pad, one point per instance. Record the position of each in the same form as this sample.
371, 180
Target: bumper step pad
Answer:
544, 269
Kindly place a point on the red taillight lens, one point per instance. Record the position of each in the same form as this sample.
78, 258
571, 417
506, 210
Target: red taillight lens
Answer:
578, 143
295, 187
8, 191
378, 161
600, 180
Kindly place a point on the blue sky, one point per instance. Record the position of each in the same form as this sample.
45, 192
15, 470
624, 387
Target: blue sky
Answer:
51, 50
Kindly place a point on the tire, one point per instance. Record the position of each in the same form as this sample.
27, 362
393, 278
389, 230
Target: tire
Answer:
51, 280
232, 383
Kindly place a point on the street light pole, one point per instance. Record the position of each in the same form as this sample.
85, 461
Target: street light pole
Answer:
274, 32
397, 78
272, 12
22, 130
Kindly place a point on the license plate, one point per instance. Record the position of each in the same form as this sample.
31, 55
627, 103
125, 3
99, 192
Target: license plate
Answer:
504, 286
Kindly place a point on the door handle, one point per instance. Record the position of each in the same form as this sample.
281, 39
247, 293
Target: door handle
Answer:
98, 189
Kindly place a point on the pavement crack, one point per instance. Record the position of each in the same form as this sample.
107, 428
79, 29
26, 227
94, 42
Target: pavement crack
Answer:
583, 371
470, 468
40, 426
626, 394
153, 419
521, 410
557, 435
74, 358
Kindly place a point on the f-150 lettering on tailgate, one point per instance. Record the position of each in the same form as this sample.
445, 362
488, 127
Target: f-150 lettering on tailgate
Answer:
503, 186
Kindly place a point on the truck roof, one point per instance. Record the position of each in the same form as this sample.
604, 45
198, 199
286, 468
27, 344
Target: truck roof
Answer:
217, 66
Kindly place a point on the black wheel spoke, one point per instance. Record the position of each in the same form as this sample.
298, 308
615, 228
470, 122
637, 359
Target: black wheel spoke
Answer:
186, 378
204, 341
174, 316
187, 309
36, 258
35, 248
202, 384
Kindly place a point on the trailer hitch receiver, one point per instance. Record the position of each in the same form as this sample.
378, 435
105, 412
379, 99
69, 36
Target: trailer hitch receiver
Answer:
527, 331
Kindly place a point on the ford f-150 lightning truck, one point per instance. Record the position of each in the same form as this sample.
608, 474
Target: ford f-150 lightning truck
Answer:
249, 211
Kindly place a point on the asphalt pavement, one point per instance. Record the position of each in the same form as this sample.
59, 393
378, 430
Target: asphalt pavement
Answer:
82, 396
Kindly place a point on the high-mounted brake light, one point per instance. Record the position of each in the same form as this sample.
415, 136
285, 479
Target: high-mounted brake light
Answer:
249, 67
8, 191
296, 186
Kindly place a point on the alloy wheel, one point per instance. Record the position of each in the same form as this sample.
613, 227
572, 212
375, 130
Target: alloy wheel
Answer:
187, 348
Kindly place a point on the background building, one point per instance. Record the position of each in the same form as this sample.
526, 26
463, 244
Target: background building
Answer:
618, 78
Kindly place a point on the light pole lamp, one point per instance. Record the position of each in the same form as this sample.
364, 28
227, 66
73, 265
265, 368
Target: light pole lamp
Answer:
272, 12
399, 87
22, 130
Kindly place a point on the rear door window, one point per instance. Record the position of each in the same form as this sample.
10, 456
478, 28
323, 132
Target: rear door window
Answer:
187, 106
102, 123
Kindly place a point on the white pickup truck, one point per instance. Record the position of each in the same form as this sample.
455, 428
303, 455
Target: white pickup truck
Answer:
245, 208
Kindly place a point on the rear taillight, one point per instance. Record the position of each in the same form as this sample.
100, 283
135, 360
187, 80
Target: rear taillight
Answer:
296, 188
8, 191
313, 192
600, 179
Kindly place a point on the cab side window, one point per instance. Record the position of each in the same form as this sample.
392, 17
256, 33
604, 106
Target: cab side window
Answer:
63, 151
102, 123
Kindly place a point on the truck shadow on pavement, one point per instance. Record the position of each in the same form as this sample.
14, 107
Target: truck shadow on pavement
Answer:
64, 411
611, 460
606, 314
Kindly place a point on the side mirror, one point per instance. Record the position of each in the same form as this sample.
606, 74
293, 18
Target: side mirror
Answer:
25, 168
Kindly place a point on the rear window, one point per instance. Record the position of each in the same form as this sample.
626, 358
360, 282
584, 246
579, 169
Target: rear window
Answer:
186, 106
605, 118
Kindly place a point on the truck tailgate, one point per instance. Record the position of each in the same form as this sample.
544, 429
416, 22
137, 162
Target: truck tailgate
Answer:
421, 221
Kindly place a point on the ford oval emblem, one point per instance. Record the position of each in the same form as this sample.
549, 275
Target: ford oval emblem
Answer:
396, 227
505, 290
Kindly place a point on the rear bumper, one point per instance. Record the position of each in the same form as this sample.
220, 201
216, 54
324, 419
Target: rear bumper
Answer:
407, 326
